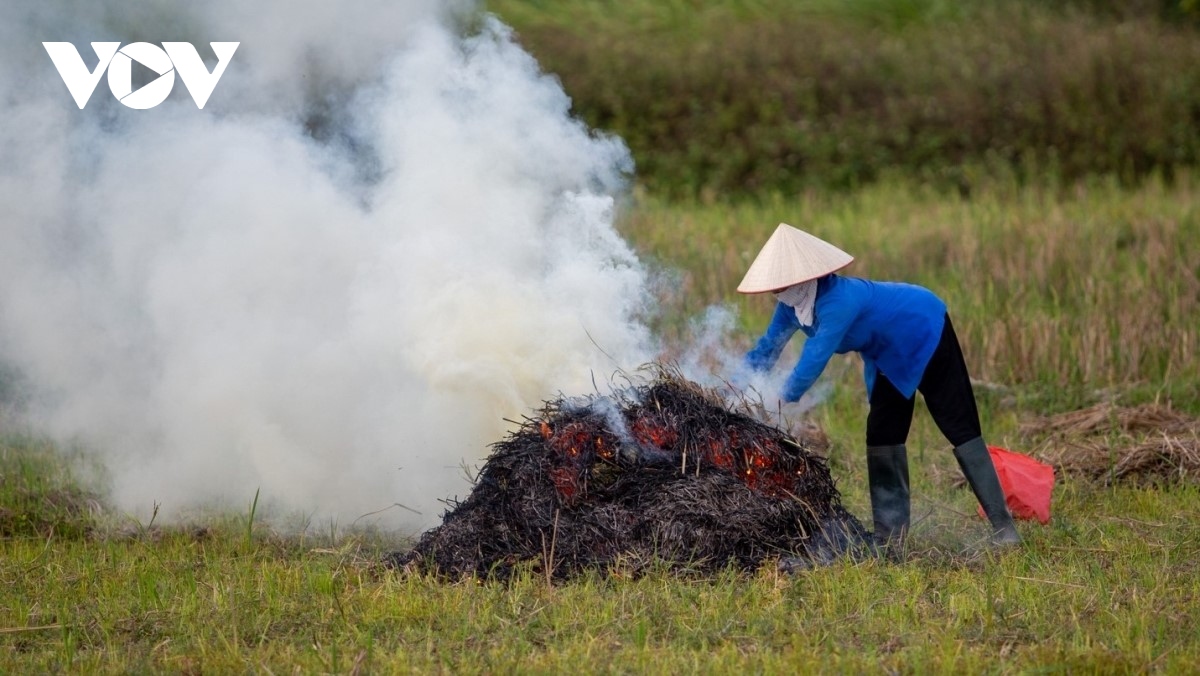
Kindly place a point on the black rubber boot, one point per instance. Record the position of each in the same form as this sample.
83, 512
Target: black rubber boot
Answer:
887, 471
977, 467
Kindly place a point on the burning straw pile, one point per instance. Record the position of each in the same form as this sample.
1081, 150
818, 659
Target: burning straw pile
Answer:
664, 472
1107, 442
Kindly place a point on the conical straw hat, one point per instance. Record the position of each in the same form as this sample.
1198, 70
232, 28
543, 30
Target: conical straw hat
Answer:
789, 257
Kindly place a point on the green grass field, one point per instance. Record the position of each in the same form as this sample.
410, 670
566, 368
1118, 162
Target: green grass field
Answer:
1063, 297
1111, 587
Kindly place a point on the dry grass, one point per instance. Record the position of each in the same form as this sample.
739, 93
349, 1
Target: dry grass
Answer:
1109, 443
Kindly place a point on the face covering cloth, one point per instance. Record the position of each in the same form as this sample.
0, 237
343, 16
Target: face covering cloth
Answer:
802, 298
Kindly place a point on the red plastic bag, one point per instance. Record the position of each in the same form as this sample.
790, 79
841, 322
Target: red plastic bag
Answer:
1027, 484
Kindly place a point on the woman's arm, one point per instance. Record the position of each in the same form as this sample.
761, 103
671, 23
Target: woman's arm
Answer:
766, 352
833, 321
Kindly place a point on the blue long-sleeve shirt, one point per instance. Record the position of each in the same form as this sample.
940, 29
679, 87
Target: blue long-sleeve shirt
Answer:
894, 326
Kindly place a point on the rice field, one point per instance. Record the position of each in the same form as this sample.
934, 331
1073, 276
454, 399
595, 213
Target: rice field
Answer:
1078, 307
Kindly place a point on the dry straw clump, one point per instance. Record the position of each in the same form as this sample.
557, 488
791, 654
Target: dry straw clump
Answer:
662, 474
1109, 443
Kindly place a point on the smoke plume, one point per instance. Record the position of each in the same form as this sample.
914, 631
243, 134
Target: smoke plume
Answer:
382, 235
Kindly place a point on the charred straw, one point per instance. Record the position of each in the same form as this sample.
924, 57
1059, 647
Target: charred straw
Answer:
661, 473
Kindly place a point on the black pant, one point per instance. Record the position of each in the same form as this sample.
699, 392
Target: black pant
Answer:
946, 387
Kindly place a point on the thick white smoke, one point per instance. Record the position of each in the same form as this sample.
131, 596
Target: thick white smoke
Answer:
382, 235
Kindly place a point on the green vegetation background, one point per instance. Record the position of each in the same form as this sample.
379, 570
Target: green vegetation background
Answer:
747, 97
